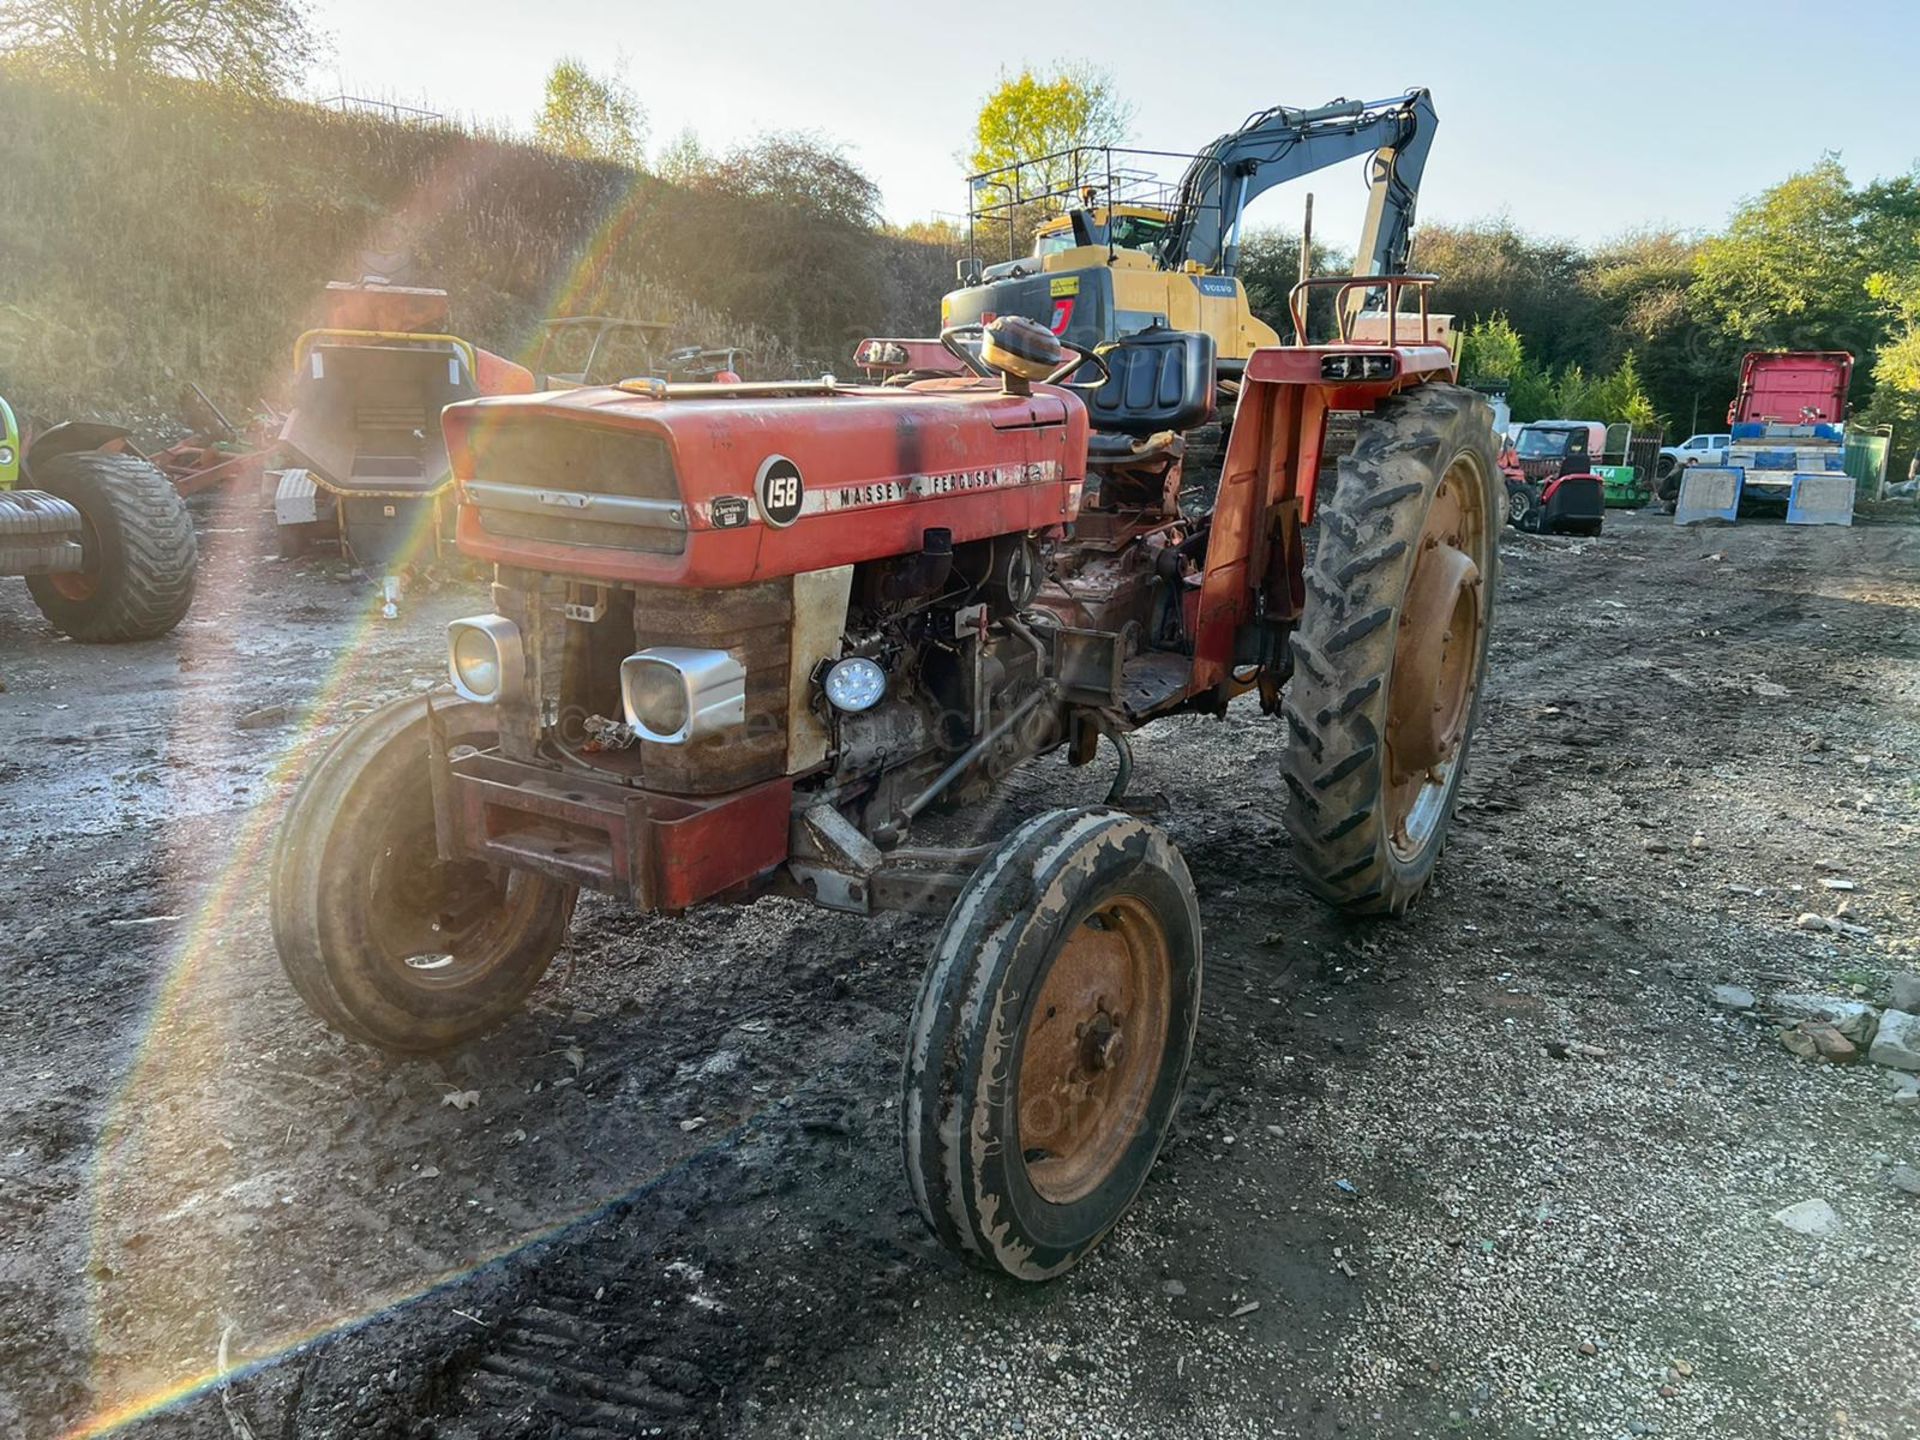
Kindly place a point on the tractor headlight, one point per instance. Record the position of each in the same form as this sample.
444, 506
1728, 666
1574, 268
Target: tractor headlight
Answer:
483, 655
1356, 367
6, 454
855, 684
673, 695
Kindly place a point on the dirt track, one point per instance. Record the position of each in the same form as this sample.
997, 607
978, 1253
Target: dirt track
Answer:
674, 1201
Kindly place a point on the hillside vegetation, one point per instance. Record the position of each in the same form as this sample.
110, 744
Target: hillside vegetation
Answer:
186, 234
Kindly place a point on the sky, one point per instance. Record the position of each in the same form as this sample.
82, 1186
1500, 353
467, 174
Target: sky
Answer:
1580, 124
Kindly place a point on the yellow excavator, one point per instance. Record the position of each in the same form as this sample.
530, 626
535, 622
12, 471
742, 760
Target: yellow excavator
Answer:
1119, 257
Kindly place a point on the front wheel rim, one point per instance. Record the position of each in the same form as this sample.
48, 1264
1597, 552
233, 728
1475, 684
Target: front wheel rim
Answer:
1093, 1048
436, 924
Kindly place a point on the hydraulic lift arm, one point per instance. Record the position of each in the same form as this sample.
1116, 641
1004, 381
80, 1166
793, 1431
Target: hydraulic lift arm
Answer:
1281, 144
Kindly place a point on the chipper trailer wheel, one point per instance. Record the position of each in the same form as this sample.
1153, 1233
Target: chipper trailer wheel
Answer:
137, 548
1050, 1040
1390, 654
385, 941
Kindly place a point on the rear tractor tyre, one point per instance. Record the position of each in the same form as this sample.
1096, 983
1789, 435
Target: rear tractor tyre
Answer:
1050, 1040
137, 547
385, 941
1390, 654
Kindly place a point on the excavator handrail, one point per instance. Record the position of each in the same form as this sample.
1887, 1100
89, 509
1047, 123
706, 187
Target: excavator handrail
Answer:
1344, 285
309, 337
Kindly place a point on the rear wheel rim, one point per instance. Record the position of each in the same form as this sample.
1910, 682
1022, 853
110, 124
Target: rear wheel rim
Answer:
1094, 1045
1437, 654
80, 586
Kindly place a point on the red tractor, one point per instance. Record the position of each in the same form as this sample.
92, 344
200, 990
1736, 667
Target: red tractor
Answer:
745, 636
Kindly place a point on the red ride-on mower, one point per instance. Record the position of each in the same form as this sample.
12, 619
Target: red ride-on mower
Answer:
1564, 505
1550, 486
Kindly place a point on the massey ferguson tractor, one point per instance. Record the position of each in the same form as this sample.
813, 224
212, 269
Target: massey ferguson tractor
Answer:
747, 638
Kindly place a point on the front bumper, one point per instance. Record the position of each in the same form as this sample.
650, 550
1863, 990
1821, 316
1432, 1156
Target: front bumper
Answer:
656, 852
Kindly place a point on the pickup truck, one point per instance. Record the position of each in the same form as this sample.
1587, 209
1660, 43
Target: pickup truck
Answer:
1700, 450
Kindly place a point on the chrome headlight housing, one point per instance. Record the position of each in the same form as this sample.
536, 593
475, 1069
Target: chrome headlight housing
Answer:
673, 694
484, 656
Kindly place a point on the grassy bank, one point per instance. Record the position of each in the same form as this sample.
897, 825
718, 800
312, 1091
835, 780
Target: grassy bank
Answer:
185, 235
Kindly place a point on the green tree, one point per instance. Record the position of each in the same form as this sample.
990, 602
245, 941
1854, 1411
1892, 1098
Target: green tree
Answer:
800, 171
1493, 353
683, 160
258, 47
1791, 270
1270, 268
1032, 115
1492, 268
590, 117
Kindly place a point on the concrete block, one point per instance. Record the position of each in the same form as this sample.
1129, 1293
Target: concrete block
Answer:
1897, 1042
296, 500
1821, 500
1709, 492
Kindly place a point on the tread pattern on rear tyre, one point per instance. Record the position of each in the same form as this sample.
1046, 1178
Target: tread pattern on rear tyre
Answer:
147, 550
1336, 705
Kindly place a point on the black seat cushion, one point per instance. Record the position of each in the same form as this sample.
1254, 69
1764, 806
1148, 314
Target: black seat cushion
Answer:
1158, 380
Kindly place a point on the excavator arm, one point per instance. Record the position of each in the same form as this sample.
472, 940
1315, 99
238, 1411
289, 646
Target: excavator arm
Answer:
1282, 144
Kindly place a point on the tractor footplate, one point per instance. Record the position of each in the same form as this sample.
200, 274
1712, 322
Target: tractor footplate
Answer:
657, 852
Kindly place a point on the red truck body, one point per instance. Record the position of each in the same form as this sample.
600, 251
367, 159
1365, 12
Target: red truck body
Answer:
1792, 387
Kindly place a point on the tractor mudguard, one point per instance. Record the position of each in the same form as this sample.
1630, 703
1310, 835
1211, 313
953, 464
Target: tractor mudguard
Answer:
72, 437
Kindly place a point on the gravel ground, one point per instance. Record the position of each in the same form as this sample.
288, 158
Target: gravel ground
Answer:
1504, 1168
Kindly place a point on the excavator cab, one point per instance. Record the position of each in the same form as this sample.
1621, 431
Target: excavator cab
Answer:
1128, 253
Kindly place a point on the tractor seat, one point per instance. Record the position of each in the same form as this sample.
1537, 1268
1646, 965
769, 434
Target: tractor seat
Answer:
1159, 379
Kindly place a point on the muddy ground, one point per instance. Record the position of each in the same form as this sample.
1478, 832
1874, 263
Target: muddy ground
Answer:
1401, 1200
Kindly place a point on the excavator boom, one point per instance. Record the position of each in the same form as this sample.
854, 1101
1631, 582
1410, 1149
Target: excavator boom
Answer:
1282, 144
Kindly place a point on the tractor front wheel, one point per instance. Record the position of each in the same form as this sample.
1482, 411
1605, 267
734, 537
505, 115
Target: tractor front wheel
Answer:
1050, 1040
137, 548
385, 941
1389, 656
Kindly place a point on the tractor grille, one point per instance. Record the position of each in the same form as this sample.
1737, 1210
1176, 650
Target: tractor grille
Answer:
580, 674
569, 483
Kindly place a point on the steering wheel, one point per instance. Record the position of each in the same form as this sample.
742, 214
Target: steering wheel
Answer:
1081, 356
960, 352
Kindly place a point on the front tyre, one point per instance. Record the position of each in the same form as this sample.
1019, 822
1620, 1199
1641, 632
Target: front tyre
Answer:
1523, 507
1050, 1040
1391, 651
137, 547
385, 941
